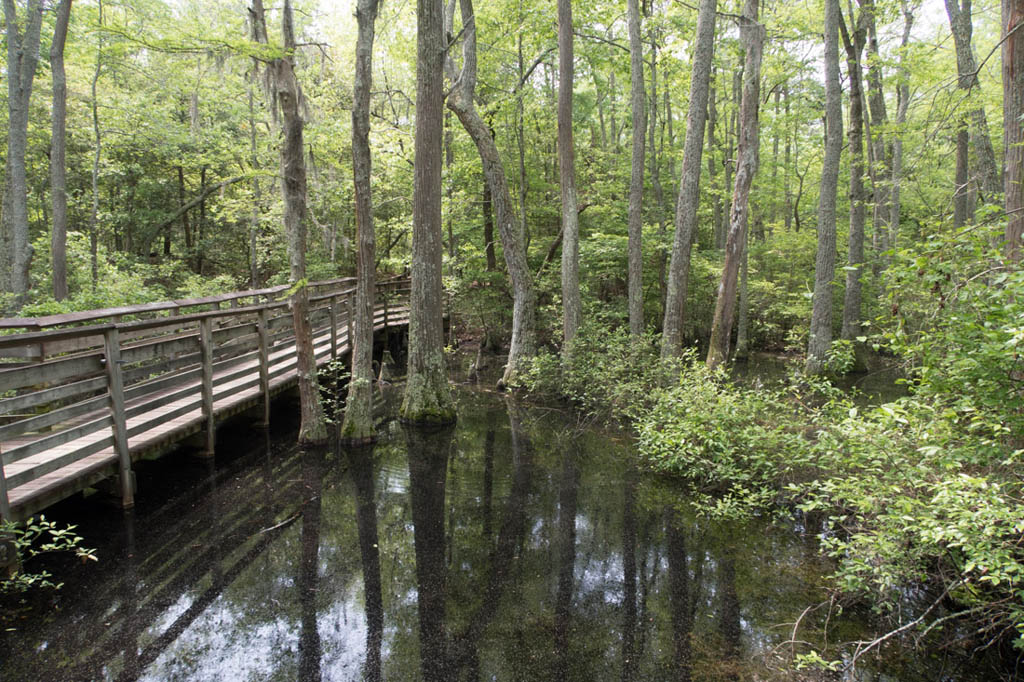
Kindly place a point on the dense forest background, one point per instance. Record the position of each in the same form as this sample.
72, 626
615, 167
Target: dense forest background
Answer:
172, 167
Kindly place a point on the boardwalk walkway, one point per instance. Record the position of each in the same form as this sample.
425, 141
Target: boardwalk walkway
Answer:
86, 394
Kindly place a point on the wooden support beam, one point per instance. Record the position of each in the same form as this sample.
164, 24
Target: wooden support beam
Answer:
206, 351
333, 312
115, 389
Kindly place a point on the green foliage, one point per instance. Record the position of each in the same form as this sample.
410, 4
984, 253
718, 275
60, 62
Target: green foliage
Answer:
605, 373
735, 446
35, 538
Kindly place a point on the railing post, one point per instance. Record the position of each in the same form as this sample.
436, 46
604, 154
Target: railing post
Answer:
5, 501
264, 365
115, 389
333, 311
206, 352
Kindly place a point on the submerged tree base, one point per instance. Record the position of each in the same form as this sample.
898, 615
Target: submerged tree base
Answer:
427, 403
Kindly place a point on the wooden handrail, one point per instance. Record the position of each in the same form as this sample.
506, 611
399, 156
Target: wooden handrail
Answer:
110, 373
40, 323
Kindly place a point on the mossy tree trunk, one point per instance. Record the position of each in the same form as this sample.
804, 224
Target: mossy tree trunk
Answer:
428, 399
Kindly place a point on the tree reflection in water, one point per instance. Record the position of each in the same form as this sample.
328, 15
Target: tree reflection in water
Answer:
428, 464
360, 462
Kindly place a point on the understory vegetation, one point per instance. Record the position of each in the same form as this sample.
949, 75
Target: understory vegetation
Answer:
922, 497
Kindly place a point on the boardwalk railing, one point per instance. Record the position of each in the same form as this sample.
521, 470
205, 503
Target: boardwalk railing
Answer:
85, 394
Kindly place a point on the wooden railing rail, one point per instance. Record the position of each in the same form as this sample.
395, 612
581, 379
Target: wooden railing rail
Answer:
106, 385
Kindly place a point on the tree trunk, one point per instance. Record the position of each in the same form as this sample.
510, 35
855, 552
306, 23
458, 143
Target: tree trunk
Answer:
825, 261
689, 183
254, 220
1013, 130
967, 77
94, 227
902, 103
427, 397
313, 426
58, 145
488, 207
358, 425
752, 37
743, 315
879, 161
854, 45
513, 239
22, 57
572, 307
636, 178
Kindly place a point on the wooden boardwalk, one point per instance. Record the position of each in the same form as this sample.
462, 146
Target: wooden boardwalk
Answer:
88, 393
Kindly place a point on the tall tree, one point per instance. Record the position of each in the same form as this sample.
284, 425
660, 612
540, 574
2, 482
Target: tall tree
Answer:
58, 145
902, 105
689, 183
22, 58
636, 177
962, 26
1013, 125
427, 397
752, 36
825, 261
510, 229
854, 45
358, 424
572, 307
287, 97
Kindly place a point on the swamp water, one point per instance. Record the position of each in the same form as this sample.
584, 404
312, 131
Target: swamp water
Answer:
513, 546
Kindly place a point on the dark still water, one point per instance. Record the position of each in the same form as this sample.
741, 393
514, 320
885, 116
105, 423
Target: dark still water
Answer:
512, 547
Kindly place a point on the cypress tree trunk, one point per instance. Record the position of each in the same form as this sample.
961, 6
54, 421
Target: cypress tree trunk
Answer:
1013, 130
825, 261
636, 177
427, 397
572, 307
58, 145
313, 427
689, 183
752, 36
358, 424
510, 230
22, 57
287, 97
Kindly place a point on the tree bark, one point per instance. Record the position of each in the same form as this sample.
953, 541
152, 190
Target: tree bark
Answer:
572, 306
879, 160
358, 424
427, 396
58, 146
902, 104
288, 95
94, 227
510, 230
752, 37
22, 58
825, 261
1013, 129
636, 177
854, 44
689, 183
967, 77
